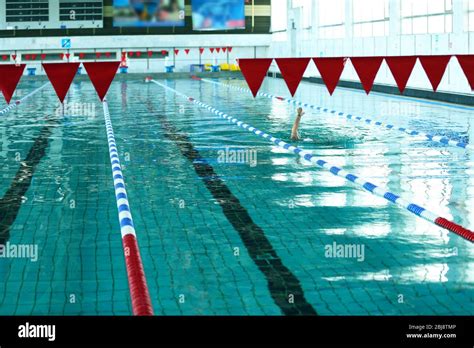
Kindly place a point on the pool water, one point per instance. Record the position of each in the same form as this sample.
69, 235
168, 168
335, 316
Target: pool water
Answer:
256, 235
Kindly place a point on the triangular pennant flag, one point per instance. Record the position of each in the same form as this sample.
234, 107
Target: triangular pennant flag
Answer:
330, 70
224, 49
14, 56
164, 52
27, 57
61, 75
130, 54
61, 56
68, 55
211, 49
218, 49
98, 54
467, 65
434, 66
43, 56
108, 54
292, 70
401, 68
150, 53
101, 75
82, 55
254, 71
230, 49
201, 50
186, 50
9, 77
367, 69
33, 56
138, 54
4, 57
176, 51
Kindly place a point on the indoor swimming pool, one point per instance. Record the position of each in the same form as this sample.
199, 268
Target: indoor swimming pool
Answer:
227, 222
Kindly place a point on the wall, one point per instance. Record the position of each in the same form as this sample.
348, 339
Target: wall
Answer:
241, 47
305, 42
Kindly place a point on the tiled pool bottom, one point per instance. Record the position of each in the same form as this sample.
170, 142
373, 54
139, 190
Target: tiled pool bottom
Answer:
198, 259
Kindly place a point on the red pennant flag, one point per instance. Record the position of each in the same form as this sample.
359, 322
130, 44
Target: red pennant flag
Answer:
101, 75
61, 75
150, 53
108, 54
401, 68
43, 56
230, 49
254, 71
367, 69
186, 50
68, 55
4, 57
61, 56
176, 51
138, 54
201, 50
292, 70
224, 49
14, 56
218, 49
211, 49
10, 75
164, 52
330, 70
434, 66
467, 65
82, 55
98, 54
27, 57
33, 56
130, 54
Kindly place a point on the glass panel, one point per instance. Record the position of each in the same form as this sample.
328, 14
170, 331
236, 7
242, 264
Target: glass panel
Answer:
420, 25
436, 6
436, 24
420, 7
279, 16
407, 26
331, 12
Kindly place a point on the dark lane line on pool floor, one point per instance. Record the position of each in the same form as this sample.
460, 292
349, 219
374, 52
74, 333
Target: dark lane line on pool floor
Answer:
281, 282
11, 202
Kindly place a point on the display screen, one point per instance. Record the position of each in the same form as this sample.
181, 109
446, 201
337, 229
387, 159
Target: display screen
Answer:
148, 13
218, 14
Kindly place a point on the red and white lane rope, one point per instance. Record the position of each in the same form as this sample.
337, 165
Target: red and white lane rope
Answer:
141, 303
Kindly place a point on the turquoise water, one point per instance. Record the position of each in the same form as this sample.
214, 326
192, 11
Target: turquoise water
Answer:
195, 258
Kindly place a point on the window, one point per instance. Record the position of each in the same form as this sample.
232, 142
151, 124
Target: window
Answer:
80, 10
331, 19
470, 14
27, 11
279, 16
306, 11
426, 16
371, 18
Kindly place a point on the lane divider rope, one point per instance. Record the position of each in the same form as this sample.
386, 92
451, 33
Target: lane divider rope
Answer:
366, 185
18, 102
141, 303
434, 138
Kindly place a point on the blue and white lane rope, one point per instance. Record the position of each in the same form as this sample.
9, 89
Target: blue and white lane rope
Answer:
18, 102
141, 302
366, 185
435, 138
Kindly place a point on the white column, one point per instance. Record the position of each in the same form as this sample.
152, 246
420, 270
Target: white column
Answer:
53, 14
395, 29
